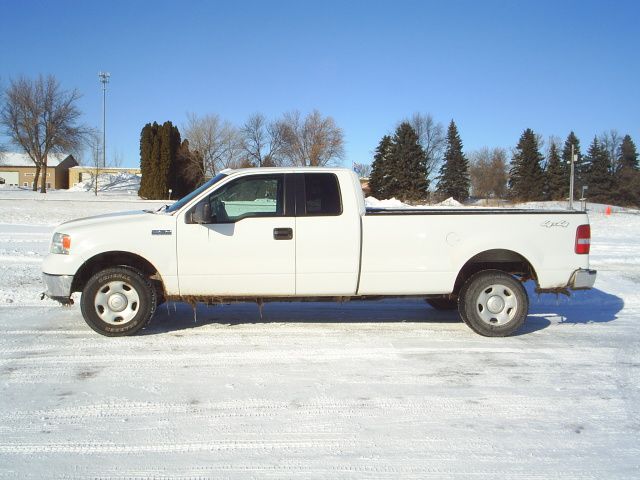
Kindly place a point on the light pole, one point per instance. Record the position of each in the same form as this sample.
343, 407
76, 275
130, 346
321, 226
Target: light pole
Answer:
104, 79
571, 177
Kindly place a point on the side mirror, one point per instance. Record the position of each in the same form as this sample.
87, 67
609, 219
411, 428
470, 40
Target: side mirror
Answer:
202, 213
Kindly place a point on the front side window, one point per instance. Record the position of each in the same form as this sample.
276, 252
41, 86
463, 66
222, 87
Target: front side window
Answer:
254, 196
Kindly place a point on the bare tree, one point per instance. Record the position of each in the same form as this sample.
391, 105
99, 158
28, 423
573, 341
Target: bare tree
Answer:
611, 142
431, 136
41, 118
262, 141
488, 172
232, 147
93, 142
116, 159
314, 141
93, 158
214, 144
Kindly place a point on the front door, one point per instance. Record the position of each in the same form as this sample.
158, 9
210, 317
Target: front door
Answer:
248, 249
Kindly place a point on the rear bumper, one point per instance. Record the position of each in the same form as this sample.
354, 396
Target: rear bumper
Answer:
58, 287
582, 279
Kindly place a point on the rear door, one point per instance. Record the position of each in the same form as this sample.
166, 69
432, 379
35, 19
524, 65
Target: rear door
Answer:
328, 237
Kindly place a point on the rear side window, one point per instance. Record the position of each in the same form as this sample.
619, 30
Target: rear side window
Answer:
322, 194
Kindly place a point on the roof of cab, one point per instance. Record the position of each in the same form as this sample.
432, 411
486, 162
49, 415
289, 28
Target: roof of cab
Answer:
230, 171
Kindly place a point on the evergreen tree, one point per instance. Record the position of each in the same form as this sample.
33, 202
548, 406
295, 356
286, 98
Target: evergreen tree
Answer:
407, 166
170, 149
598, 177
556, 179
379, 178
580, 168
454, 180
526, 178
628, 154
159, 145
627, 176
147, 162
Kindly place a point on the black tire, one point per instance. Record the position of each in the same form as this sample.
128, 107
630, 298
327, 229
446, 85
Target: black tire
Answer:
493, 303
118, 301
443, 304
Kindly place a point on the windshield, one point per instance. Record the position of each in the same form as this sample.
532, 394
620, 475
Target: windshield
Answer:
187, 198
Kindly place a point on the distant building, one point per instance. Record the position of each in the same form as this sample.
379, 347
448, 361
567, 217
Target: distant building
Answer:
79, 174
18, 170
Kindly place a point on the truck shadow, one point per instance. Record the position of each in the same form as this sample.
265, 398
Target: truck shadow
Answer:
179, 316
585, 306
592, 306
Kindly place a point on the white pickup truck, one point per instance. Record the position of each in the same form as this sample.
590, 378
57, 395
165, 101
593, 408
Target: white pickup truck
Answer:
274, 234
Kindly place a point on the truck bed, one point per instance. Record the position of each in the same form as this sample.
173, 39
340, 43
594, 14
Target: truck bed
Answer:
467, 211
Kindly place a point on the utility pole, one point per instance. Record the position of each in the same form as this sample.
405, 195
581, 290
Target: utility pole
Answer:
104, 79
571, 178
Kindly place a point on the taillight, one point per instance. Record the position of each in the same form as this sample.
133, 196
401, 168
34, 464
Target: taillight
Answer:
583, 239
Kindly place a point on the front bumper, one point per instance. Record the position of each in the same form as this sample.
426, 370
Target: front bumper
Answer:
582, 279
58, 287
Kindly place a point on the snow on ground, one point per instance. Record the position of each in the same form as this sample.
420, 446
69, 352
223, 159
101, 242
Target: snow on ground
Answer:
382, 390
25, 207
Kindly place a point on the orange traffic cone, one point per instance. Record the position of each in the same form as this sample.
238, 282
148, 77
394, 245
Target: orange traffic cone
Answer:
607, 211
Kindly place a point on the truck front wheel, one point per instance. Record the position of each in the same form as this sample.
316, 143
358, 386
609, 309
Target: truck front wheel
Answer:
493, 303
118, 301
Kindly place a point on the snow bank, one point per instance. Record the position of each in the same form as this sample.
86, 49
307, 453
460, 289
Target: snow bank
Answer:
121, 182
373, 202
450, 202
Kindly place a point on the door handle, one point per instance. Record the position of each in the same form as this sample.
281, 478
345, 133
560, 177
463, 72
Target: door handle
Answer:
282, 233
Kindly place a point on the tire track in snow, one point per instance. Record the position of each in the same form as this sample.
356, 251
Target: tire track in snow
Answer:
94, 448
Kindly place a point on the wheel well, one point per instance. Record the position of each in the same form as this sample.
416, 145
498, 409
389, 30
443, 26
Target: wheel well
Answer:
506, 261
112, 259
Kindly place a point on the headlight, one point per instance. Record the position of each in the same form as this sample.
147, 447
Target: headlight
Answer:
61, 243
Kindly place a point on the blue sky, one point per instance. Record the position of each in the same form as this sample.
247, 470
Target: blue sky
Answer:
496, 67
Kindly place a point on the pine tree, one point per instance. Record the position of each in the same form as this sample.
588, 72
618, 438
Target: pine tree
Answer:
580, 168
147, 160
379, 178
454, 179
155, 188
556, 179
598, 177
171, 150
407, 166
526, 178
159, 163
628, 154
627, 176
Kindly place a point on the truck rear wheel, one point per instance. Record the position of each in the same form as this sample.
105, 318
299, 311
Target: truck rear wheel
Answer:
493, 303
118, 301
